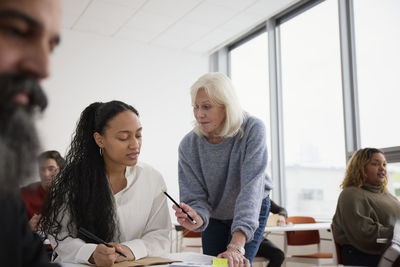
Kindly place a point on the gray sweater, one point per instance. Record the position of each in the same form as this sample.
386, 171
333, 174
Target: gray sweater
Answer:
363, 215
226, 180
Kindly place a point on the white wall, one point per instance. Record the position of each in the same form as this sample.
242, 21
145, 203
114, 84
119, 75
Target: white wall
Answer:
155, 80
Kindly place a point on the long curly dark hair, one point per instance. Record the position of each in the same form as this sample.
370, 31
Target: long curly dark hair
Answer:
81, 189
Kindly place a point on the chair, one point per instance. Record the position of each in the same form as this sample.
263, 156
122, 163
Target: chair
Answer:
260, 261
337, 249
190, 241
302, 238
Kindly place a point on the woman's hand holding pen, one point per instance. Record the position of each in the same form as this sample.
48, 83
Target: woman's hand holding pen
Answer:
124, 249
183, 218
104, 256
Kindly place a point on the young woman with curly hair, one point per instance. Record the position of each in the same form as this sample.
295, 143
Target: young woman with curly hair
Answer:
105, 190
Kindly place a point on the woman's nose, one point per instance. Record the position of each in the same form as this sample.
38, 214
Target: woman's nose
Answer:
200, 113
134, 143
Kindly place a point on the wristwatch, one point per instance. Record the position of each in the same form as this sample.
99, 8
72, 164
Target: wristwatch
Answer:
238, 248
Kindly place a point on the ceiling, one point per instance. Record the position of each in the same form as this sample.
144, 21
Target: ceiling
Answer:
199, 26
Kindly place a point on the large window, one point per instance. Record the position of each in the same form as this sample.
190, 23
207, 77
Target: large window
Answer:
307, 92
394, 178
312, 111
377, 39
249, 73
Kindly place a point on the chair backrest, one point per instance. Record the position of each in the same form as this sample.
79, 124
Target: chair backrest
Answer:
337, 248
298, 238
188, 233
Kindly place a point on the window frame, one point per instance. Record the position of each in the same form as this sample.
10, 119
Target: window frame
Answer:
220, 61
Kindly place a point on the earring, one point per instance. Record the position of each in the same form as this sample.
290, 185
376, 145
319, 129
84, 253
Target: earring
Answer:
101, 151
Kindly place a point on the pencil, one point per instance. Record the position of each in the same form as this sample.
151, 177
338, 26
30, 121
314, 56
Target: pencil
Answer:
176, 203
96, 239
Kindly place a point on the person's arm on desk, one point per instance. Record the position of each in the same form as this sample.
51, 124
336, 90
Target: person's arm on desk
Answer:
234, 256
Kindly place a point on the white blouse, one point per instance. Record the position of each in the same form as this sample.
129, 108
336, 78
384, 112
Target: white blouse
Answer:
143, 216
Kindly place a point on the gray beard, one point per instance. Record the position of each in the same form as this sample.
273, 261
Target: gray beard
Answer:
19, 143
19, 146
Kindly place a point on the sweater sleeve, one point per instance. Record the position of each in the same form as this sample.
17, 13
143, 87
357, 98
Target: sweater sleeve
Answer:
252, 181
276, 209
191, 188
360, 222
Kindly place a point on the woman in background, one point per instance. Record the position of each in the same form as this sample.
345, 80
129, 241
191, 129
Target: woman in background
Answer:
222, 179
365, 209
105, 190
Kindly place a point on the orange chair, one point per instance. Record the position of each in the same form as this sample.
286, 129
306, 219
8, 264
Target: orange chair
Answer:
302, 238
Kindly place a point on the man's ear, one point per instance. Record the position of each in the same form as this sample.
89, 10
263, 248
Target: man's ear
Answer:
98, 138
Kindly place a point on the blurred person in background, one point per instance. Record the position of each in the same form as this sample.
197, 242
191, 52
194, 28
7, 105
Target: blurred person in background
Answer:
268, 249
50, 163
365, 210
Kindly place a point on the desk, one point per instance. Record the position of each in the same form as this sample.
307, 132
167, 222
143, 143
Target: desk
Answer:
187, 258
298, 227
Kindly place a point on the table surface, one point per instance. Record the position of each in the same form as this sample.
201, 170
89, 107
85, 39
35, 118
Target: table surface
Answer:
187, 258
298, 227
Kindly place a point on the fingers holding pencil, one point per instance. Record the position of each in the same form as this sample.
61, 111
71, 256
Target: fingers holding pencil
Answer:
183, 218
125, 250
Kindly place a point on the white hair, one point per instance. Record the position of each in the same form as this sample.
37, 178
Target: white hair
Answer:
220, 90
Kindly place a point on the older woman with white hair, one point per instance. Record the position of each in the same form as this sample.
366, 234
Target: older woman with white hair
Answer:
222, 180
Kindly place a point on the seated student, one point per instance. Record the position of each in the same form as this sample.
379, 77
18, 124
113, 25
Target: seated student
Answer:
268, 249
365, 209
50, 162
105, 190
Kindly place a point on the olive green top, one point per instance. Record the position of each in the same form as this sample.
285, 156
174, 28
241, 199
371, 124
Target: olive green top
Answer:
363, 215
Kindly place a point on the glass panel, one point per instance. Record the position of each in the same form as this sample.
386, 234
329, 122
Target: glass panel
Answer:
249, 73
377, 35
394, 179
312, 111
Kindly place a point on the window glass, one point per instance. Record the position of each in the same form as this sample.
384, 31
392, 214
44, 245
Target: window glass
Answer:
394, 178
314, 147
249, 73
377, 39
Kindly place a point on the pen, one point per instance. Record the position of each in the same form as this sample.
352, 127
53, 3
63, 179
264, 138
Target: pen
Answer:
96, 239
193, 221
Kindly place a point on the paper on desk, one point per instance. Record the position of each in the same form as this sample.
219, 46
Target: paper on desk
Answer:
145, 262
191, 259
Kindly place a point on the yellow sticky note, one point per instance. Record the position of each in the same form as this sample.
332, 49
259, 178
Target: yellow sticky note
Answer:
220, 262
